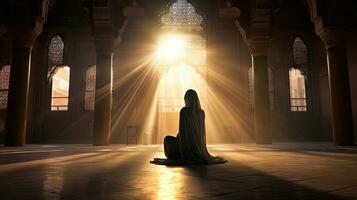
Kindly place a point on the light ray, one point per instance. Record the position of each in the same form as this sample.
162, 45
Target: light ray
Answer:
152, 93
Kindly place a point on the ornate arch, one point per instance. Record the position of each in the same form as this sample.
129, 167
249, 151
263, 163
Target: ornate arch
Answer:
300, 52
55, 55
46, 6
312, 6
182, 15
301, 57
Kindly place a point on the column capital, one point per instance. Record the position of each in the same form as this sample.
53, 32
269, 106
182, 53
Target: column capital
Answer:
23, 35
104, 46
333, 37
258, 47
103, 28
257, 36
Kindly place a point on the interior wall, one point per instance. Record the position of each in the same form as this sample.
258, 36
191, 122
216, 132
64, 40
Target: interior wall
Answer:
352, 64
135, 84
292, 20
323, 91
5, 59
287, 125
229, 58
74, 125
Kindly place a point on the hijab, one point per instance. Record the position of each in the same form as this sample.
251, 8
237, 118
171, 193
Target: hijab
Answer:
192, 101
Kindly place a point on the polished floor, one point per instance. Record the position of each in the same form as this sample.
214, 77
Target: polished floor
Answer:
280, 171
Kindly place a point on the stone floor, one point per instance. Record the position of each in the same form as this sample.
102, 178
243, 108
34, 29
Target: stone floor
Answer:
280, 171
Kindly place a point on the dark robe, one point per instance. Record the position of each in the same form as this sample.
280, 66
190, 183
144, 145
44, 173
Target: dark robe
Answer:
189, 147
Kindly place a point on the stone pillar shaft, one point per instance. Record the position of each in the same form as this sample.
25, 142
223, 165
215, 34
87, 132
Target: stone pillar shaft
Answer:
261, 93
18, 96
342, 120
103, 99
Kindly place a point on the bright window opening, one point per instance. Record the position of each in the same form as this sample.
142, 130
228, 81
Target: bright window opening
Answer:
297, 76
60, 89
297, 91
181, 56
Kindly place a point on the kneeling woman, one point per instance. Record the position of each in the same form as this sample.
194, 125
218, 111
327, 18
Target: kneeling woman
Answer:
189, 147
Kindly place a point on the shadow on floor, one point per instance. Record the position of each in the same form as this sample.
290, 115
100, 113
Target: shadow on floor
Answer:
117, 174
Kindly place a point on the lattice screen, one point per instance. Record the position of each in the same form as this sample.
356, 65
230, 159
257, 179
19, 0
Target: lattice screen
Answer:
90, 88
4, 86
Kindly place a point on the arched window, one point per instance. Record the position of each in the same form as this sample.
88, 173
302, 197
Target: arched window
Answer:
4, 86
58, 75
60, 89
55, 51
297, 76
180, 53
297, 91
251, 88
300, 52
89, 98
271, 89
182, 16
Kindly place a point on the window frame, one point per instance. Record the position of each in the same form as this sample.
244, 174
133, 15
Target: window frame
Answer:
306, 95
55, 69
304, 69
52, 70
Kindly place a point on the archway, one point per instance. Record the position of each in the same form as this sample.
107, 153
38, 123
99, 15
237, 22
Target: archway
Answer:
181, 55
173, 85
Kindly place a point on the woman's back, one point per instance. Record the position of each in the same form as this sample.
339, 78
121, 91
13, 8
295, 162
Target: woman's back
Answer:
192, 137
190, 144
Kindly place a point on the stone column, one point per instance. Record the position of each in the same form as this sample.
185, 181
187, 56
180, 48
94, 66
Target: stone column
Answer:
103, 94
261, 91
342, 120
22, 41
2, 30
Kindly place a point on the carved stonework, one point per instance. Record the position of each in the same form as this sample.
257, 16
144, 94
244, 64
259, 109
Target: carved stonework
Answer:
133, 12
258, 47
333, 37
25, 35
260, 27
229, 12
333, 16
52, 71
102, 19
104, 45
258, 34
182, 16
102, 22
103, 29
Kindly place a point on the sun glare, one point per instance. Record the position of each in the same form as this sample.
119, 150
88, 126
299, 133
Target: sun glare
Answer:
182, 66
153, 91
171, 47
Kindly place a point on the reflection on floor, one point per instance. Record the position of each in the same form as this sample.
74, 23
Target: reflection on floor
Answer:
283, 171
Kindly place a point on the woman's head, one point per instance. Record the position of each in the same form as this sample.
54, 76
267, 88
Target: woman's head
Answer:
191, 99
